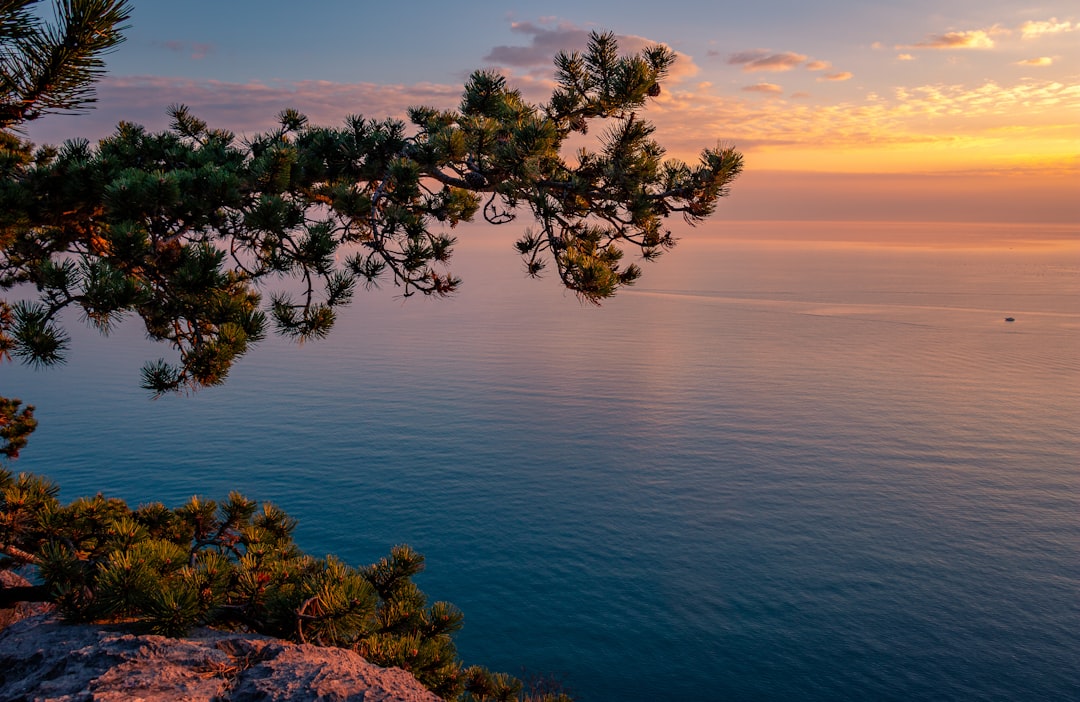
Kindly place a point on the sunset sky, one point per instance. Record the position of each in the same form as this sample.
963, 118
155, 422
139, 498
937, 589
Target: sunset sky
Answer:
962, 110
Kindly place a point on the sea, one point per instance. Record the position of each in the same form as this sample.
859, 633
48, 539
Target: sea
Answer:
798, 461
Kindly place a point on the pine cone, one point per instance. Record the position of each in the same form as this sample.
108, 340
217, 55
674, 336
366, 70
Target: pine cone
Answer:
654, 90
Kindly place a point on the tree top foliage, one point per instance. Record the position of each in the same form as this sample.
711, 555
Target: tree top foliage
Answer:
186, 227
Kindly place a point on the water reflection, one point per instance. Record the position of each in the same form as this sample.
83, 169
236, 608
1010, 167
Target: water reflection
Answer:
771, 472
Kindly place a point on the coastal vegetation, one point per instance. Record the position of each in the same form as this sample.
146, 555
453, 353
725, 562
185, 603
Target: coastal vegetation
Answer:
231, 565
190, 230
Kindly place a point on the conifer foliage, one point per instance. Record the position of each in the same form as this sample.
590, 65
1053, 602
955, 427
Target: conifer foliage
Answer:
16, 424
232, 564
49, 68
186, 228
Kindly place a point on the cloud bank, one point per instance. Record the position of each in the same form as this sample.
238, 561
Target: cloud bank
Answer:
687, 119
985, 38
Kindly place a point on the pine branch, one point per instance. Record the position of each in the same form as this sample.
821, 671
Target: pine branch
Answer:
182, 227
52, 68
17, 554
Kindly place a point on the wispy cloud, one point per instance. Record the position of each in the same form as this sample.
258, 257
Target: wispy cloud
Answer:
244, 108
194, 49
950, 120
909, 114
841, 76
765, 60
1034, 30
956, 119
990, 98
905, 57
768, 88
1041, 61
818, 65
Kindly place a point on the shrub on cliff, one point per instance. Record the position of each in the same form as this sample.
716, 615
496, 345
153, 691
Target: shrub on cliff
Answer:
230, 565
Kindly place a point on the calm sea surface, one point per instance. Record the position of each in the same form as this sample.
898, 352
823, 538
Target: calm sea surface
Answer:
773, 471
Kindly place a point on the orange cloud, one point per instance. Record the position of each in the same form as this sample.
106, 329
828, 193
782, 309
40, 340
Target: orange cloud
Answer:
1041, 61
921, 128
974, 39
1033, 30
818, 65
985, 38
764, 60
990, 99
843, 75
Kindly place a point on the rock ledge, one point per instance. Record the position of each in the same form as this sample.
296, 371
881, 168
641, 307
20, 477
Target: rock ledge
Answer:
44, 660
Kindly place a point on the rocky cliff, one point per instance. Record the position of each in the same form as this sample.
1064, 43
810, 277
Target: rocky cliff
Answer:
43, 660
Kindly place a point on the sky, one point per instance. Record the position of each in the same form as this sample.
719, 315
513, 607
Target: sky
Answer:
935, 110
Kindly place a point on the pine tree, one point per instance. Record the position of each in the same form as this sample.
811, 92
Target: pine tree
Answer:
231, 564
185, 227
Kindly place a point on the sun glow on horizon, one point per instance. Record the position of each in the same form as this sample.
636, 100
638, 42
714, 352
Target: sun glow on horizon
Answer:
994, 99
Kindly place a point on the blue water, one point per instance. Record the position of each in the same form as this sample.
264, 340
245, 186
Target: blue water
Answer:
773, 471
